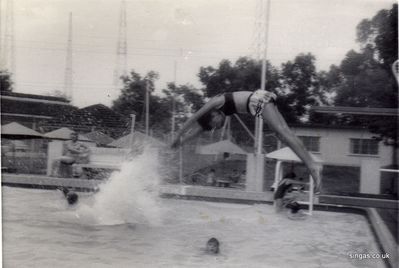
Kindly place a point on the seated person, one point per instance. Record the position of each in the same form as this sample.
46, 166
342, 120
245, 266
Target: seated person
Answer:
235, 176
285, 186
74, 153
294, 212
211, 177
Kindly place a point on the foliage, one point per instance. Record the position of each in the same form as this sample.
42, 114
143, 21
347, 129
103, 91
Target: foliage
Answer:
5, 81
381, 34
132, 100
366, 77
301, 87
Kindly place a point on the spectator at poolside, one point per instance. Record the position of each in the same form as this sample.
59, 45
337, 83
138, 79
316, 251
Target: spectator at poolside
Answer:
211, 177
285, 186
235, 176
74, 152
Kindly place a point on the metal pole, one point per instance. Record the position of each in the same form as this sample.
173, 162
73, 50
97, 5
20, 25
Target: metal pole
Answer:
181, 164
244, 126
147, 107
259, 144
174, 103
133, 116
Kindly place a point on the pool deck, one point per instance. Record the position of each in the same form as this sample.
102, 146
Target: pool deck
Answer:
366, 206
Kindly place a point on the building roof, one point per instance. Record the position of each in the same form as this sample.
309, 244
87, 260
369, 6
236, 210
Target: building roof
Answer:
17, 130
64, 134
286, 154
45, 107
33, 97
356, 110
139, 139
97, 116
220, 147
99, 138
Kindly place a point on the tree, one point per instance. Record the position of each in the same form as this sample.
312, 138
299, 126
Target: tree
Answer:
244, 75
183, 100
5, 81
366, 77
300, 87
132, 98
381, 34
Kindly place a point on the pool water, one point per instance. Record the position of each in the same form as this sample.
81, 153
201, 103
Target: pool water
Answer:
127, 224
39, 230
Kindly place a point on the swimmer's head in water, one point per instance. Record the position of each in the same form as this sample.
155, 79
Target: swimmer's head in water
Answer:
212, 246
72, 198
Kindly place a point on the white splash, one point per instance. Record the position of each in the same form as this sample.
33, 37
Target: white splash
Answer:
130, 195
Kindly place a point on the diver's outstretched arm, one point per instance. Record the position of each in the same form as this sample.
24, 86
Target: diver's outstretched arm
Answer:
194, 132
276, 122
214, 103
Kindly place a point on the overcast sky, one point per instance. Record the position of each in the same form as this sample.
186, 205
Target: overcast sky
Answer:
193, 33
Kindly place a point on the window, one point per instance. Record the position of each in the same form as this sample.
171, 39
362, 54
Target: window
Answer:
364, 146
311, 143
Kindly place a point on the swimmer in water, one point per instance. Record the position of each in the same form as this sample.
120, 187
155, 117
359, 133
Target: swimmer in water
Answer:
71, 197
259, 103
212, 246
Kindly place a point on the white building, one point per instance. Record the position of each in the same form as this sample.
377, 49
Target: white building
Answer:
349, 147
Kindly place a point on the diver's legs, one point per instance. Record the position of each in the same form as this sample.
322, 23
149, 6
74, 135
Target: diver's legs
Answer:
276, 122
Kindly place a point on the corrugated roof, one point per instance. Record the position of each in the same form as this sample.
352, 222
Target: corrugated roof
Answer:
15, 129
35, 106
64, 134
33, 96
98, 116
224, 146
99, 138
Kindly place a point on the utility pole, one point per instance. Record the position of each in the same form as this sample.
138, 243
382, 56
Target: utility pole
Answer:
174, 102
147, 107
68, 79
133, 116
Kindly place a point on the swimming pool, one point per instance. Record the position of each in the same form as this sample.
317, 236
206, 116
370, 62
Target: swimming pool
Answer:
39, 230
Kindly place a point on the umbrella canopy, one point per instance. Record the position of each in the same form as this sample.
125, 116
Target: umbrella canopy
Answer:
286, 154
64, 134
139, 139
224, 146
17, 131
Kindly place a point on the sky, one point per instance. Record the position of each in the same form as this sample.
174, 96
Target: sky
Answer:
164, 34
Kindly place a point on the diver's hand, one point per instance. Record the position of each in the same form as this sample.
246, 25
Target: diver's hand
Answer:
315, 172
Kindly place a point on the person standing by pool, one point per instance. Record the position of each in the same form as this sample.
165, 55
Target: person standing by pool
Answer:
259, 103
74, 152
